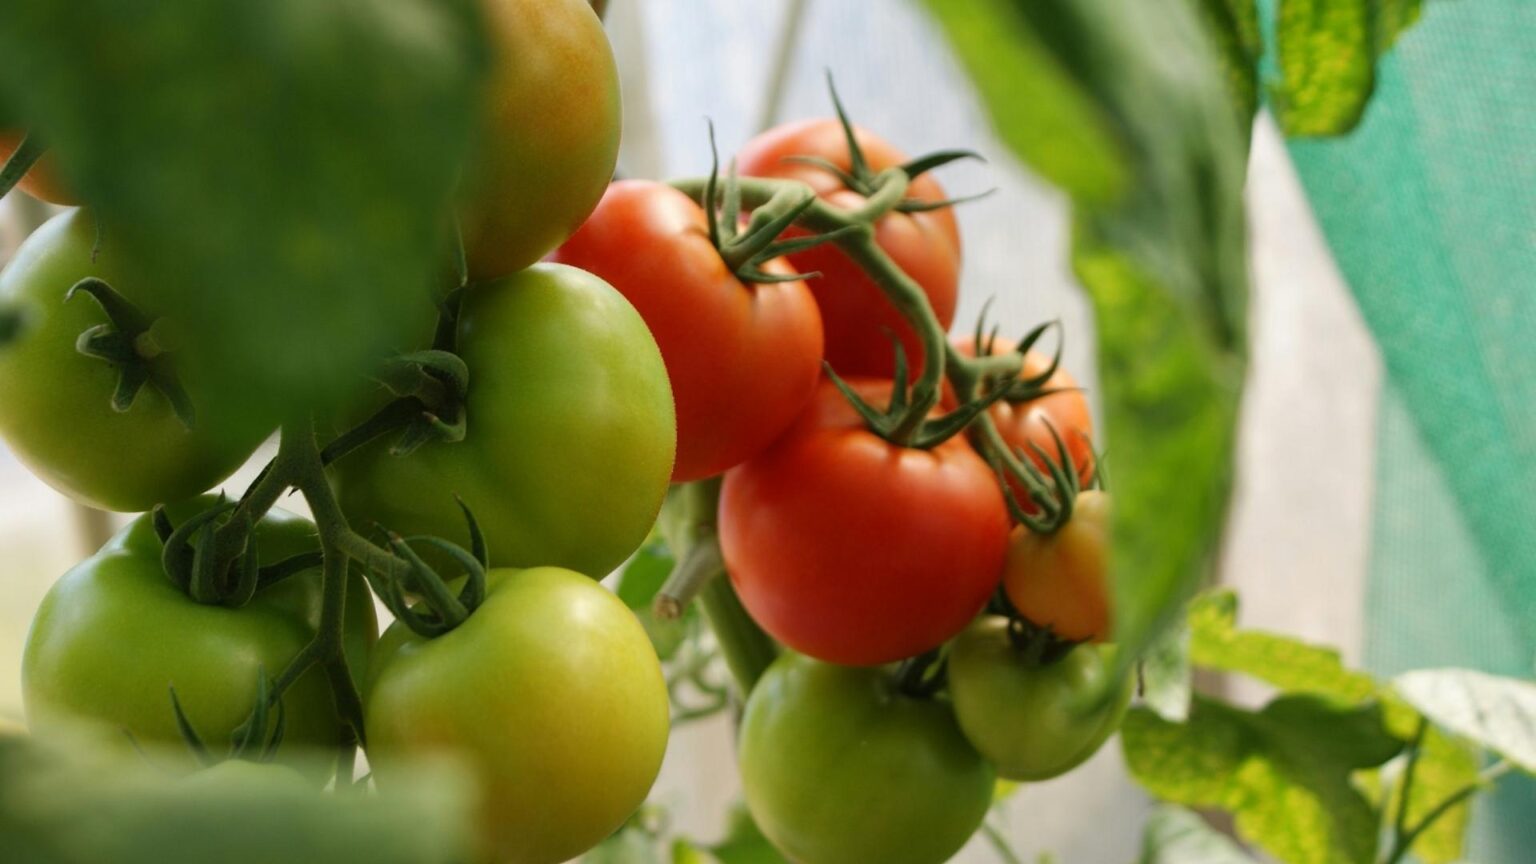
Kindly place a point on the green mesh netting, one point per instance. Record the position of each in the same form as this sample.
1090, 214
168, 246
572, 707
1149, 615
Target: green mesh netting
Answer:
1430, 209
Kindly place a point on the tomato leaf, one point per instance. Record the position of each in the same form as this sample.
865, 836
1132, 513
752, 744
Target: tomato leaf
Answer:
1234, 28
1166, 677
1289, 664
1327, 54
1296, 667
1284, 772
1164, 261
1175, 835
283, 170
1493, 712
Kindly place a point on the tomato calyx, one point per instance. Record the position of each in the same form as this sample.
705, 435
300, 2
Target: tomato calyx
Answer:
439, 609
923, 676
255, 740
745, 249
894, 422
21, 161
860, 178
136, 344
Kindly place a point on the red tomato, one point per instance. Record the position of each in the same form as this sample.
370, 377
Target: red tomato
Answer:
42, 182
1029, 422
854, 311
856, 551
744, 359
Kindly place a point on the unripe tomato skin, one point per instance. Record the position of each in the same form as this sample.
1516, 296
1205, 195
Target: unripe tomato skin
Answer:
854, 550
113, 635
55, 403
838, 767
42, 181
550, 694
550, 133
1061, 580
570, 437
743, 358
856, 315
1033, 721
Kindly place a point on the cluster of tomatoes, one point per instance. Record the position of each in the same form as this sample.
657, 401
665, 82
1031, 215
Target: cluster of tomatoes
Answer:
945, 611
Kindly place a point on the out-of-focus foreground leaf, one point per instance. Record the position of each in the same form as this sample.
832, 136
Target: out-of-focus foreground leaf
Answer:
73, 807
283, 168
1164, 261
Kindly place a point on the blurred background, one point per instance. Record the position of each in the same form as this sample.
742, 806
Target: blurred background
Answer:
1314, 545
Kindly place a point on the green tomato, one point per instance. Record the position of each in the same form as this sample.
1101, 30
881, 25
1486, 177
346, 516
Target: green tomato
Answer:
1033, 721
839, 766
114, 634
570, 439
55, 403
550, 693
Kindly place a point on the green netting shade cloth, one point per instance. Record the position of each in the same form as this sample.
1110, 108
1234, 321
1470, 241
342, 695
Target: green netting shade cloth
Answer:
1430, 210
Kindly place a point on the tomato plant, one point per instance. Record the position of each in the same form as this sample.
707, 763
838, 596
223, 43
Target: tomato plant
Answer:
551, 694
42, 181
1060, 580
1034, 718
550, 133
114, 633
743, 357
571, 434
925, 244
838, 765
855, 550
56, 403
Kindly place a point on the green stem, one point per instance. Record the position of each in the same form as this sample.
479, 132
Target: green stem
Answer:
1416, 749
298, 465
1404, 842
748, 651
20, 162
999, 844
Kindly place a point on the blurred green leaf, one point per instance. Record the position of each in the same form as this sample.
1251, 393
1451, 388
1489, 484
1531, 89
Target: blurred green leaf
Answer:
744, 842
1327, 54
641, 578
283, 170
629, 845
1392, 18
70, 807
1234, 28
1446, 766
1493, 712
644, 575
1164, 258
1166, 677
1175, 835
1284, 772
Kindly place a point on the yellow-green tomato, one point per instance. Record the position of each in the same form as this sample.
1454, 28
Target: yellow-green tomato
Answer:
839, 766
113, 635
570, 439
1033, 720
56, 404
550, 693
550, 133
